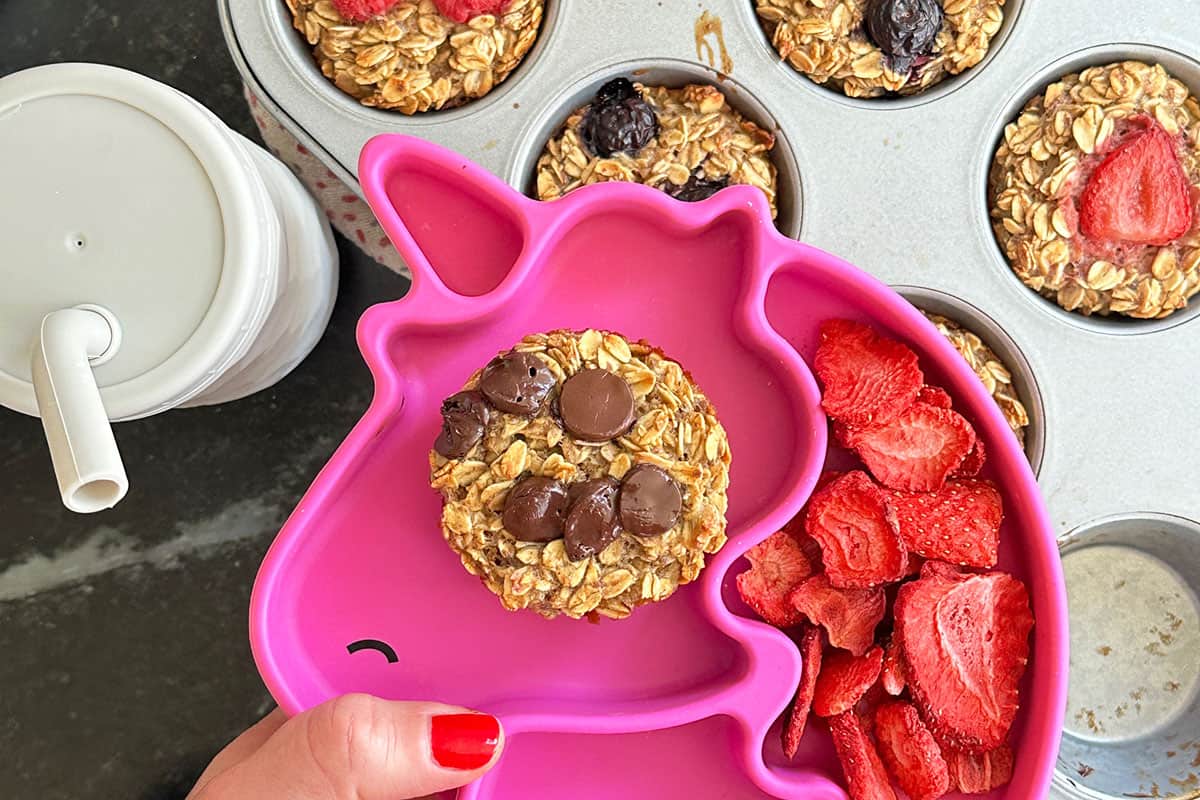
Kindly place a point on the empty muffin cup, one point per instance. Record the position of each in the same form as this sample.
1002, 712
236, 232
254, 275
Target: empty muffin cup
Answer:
1133, 712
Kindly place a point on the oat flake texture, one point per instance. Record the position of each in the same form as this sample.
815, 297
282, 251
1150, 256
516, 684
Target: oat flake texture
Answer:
675, 429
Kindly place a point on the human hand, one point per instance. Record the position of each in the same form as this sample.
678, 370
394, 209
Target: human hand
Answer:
355, 747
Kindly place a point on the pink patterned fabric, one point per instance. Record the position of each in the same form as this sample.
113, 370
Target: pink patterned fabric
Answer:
347, 212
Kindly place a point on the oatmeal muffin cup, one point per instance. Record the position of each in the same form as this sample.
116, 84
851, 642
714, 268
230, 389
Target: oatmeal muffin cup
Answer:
688, 142
877, 48
991, 369
1095, 189
581, 474
417, 55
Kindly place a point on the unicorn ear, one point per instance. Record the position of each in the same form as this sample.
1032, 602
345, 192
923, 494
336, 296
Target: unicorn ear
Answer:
449, 218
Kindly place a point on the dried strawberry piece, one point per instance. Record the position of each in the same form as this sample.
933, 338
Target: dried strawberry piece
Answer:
918, 450
866, 378
910, 752
1140, 193
958, 524
965, 642
845, 679
935, 568
972, 465
865, 775
977, 773
363, 10
857, 530
849, 616
810, 654
777, 565
891, 675
935, 396
467, 10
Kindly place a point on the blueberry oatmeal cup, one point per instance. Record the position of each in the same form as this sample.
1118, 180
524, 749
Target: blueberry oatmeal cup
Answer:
1094, 192
688, 142
877, 48
417, 55
581, 474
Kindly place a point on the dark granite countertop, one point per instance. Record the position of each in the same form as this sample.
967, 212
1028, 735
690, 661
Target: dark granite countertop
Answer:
125, 661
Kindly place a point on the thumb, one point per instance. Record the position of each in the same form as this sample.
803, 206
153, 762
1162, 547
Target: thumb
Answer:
359, 747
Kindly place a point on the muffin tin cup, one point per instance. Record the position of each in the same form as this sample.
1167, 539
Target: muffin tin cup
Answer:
949, 85
994, 336
901, 195
1184, 67
548, 121
1133, 712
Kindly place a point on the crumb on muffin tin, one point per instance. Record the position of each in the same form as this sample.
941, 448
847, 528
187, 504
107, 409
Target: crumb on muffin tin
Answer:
675, 428
1039, 172
699, 134
412, 58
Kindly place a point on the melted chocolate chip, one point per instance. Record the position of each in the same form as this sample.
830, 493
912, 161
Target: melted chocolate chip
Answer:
464, 417
596, 405
904, 29
517, 383
650, 501
536, 510
592, 523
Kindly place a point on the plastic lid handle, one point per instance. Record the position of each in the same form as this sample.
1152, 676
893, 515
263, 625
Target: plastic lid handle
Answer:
91, 475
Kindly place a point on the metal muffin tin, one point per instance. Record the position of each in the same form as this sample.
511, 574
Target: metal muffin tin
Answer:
898, 187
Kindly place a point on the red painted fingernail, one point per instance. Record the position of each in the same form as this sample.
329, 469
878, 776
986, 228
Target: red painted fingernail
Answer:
464, 741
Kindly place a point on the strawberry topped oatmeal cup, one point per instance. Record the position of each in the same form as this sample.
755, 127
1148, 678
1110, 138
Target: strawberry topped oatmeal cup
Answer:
913, 643
1095, 192
417, 55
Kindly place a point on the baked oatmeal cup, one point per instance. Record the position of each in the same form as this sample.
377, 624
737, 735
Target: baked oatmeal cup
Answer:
1095, 189
876, 48
581, 474
992, 371
688, 142
417, 55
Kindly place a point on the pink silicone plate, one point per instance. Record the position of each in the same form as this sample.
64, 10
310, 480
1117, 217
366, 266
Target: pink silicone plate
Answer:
680, 700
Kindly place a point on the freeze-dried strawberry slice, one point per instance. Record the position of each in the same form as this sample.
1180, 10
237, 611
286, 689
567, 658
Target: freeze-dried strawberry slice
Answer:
777, 565
866, 378
865, 775
844, 680
849, 616
1139, 194
856, 528
910, 752
363, 10
917, 450
935, 396
959, 524
965, 641
466, 10
891, 675
977, 773
810, 654
972, 465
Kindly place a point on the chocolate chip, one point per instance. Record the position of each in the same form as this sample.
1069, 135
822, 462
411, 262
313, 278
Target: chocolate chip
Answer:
650, 501
464, 417
517, 383
592, 521
536, 509
596, 405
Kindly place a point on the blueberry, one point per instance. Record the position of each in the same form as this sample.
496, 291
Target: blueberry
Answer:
697, 188
618, 121
904, 29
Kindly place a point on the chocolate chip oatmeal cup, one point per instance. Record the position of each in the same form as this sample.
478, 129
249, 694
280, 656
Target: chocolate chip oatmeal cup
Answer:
688, 142
1094, 192
581, 474
413, 56
880, 48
